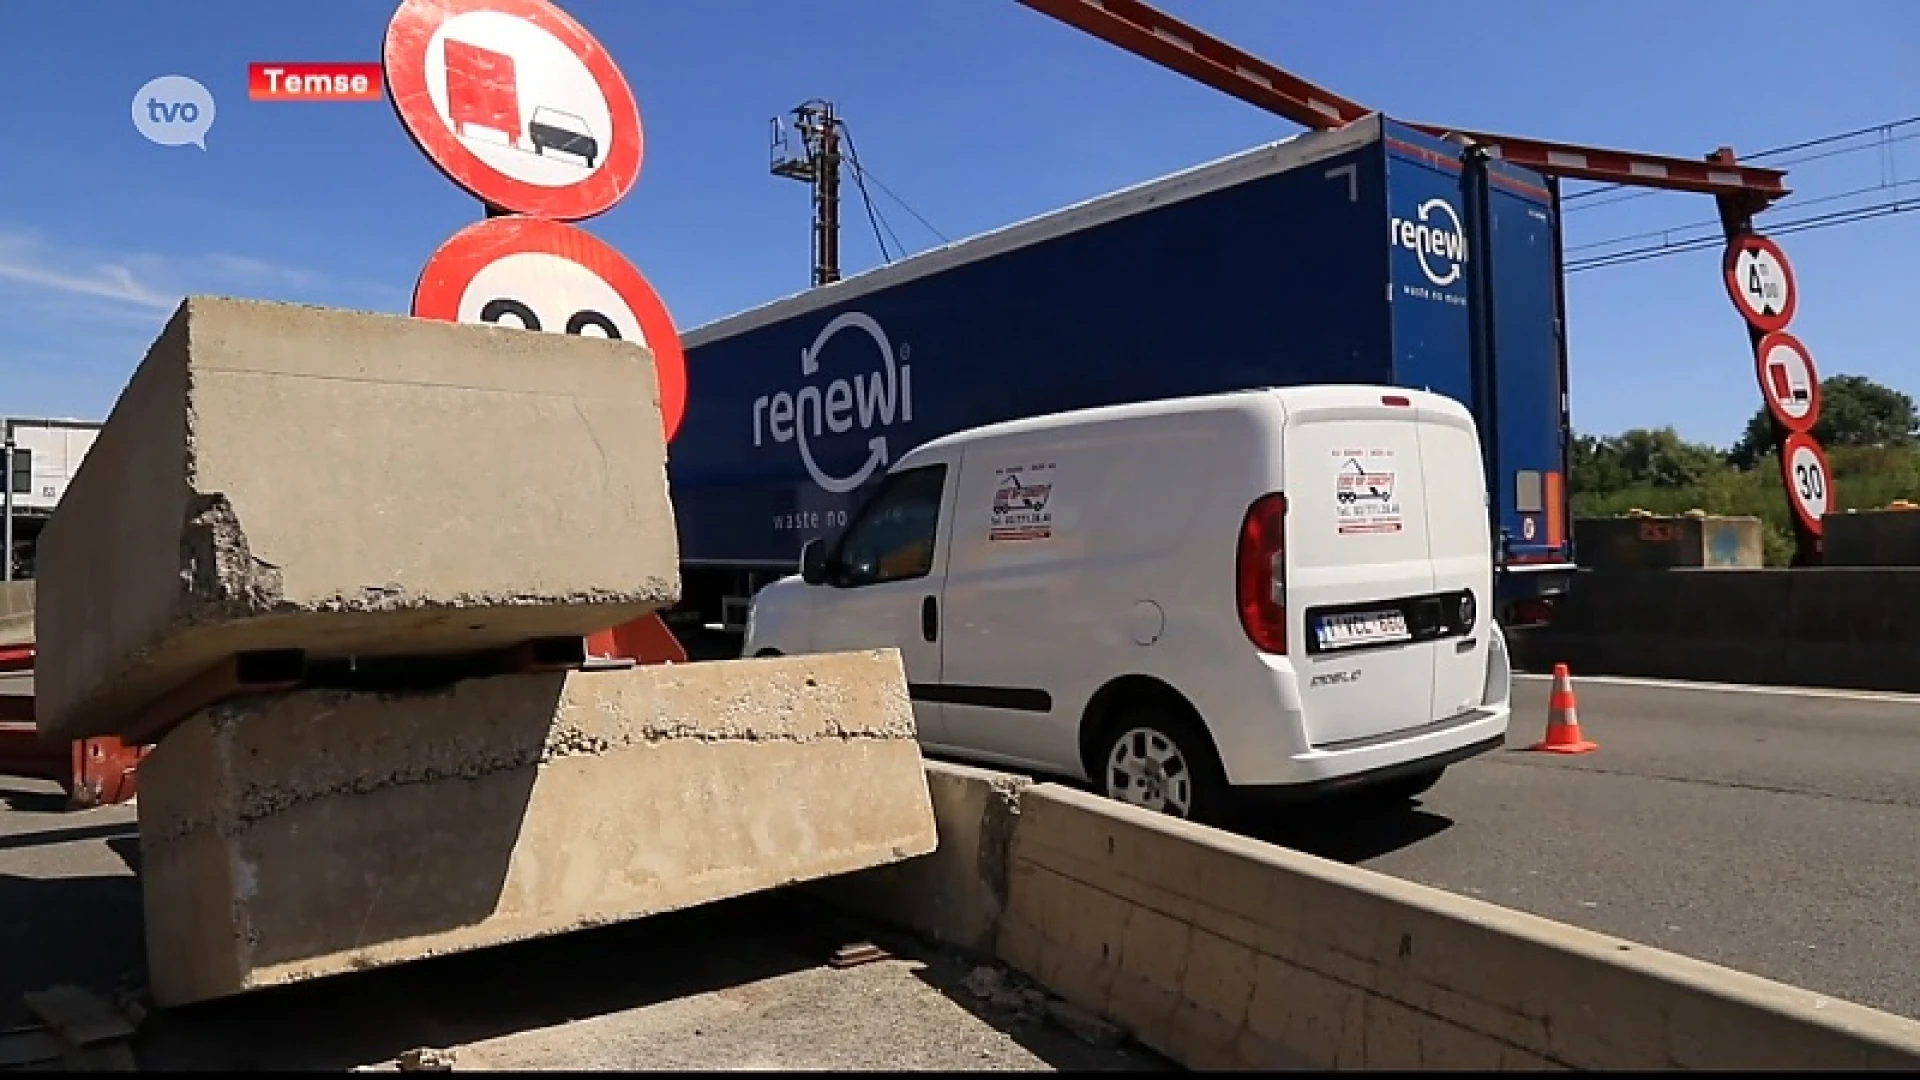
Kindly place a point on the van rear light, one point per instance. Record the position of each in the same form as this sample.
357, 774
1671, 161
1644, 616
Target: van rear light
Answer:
1396, 399
1260, 573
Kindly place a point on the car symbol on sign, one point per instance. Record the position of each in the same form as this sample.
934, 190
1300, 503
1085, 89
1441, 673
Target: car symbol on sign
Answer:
551, 129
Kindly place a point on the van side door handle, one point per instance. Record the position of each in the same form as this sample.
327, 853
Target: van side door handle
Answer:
929, 619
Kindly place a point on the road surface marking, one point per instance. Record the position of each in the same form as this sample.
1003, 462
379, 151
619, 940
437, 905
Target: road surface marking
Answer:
1734, 688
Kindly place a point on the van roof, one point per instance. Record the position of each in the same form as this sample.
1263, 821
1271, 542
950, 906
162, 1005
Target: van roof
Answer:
1292, 398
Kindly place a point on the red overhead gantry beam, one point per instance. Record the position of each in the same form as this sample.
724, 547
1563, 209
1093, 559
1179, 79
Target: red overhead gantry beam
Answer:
1741, 190
1148, 32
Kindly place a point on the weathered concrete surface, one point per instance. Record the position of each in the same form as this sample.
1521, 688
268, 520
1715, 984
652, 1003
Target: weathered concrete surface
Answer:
277, 476
1223, 952
956, 895
305, 834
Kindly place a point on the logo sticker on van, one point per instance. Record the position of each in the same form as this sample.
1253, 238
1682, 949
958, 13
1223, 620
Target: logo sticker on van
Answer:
1364, 499
855, 403
1020, 504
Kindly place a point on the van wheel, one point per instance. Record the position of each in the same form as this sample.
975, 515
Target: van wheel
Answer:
1162, 762
1404, 788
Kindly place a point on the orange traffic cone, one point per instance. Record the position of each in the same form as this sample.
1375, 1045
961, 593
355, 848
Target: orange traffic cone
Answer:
645, 640
1563, 719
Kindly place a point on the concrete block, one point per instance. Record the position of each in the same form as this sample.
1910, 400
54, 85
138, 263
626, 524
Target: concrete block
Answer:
954, 896
277, 476
300, 835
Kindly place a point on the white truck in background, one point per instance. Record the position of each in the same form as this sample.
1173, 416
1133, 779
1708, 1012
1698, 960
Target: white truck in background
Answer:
41, 457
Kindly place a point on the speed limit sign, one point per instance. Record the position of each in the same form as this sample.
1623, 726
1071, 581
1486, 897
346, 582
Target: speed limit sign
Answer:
1809, 481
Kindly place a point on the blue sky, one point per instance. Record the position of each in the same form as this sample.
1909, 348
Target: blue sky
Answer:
976, 113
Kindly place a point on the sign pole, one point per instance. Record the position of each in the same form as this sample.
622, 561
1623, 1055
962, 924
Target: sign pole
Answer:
1736, 222
9, 497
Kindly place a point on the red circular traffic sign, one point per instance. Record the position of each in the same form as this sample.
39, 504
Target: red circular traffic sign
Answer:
1760, 281
542, 275
1803, 466
1788, 380
515, 102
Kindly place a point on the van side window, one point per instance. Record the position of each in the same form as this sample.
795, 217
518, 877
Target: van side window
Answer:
892, 538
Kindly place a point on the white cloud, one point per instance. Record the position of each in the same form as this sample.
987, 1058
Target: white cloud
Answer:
105, 282
147, 283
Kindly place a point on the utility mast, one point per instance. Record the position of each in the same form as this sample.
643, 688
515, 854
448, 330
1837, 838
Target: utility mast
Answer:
816, 162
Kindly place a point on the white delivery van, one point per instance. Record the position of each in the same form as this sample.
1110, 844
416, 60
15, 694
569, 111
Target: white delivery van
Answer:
1186, 602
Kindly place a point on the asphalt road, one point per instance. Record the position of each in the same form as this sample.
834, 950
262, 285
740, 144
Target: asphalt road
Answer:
1776, 832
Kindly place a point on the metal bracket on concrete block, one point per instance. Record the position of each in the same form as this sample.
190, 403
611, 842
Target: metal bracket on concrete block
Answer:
273, 671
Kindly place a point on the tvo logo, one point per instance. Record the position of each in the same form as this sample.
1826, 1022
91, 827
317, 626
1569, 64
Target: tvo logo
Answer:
865, 402
1435, 237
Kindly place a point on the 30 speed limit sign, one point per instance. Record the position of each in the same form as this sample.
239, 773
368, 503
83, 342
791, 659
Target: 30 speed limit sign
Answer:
1809, 481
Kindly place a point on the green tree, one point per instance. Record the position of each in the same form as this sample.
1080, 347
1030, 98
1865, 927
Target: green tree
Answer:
1660, 458
1854, 411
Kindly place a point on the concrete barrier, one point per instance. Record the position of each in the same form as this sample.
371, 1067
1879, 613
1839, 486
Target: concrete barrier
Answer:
1832, 627
956, 895
293, 836
283, 477
1220, 951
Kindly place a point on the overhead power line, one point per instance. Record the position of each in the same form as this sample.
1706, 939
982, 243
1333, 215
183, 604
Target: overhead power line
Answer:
874, 218
1813, 223
1668, 234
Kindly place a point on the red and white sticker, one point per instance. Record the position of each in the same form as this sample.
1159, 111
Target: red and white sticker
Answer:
1809, 481
1788, 380
515, 102
533, 274
1760, 281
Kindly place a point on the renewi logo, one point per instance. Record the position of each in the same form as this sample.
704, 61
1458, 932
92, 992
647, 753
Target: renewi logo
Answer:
1436, 239
854, 401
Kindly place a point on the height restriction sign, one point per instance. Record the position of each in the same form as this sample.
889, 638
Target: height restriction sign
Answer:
1760, 282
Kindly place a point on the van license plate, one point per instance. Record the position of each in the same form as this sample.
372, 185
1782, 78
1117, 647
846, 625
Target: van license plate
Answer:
1362, 628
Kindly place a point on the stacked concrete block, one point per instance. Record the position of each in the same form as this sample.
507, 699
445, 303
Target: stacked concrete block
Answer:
278, 476
352, 485
303, 834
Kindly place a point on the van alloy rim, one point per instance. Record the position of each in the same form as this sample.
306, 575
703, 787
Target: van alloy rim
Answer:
1146, 768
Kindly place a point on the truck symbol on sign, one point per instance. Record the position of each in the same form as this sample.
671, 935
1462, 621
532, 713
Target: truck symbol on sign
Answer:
483, 92
1356, 484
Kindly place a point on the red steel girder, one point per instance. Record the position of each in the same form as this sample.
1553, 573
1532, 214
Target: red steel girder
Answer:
1152, 34
1761, 186
1148, 32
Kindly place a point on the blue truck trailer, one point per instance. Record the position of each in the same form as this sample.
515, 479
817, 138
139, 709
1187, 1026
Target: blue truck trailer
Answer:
1371, 254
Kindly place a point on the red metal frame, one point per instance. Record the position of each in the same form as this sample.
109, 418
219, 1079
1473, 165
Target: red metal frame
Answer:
1167, 41
1154, 35
92, 772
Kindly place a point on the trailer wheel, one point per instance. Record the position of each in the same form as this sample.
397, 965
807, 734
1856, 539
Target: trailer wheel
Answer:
1161, 759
